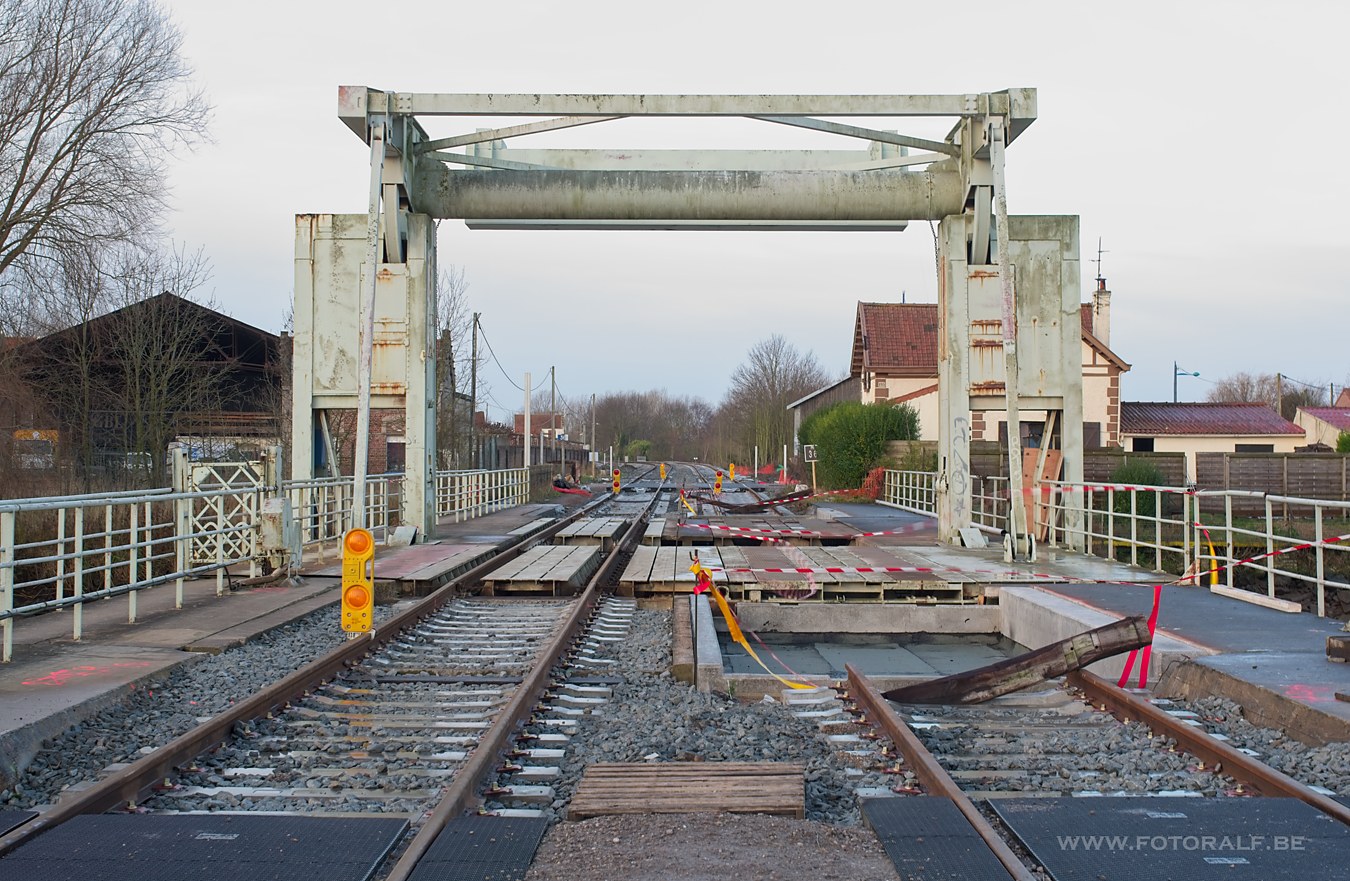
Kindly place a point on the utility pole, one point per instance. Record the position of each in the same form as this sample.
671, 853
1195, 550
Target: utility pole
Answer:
527, 420
553, 407
1279, 393
595, 451
474, 453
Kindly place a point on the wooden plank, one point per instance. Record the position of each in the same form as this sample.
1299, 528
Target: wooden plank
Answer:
682, 787
1259, 599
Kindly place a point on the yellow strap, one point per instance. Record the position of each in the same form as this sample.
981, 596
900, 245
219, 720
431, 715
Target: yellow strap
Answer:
734, 631
687, 505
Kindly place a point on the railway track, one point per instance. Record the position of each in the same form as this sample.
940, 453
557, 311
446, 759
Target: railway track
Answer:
1067, 741
416, 720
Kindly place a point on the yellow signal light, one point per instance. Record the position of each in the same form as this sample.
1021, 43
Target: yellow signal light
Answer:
358, 589
717, 484
616, 481
731, 472
663, 470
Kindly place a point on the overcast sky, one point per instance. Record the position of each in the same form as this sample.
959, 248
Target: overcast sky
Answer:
1172, 129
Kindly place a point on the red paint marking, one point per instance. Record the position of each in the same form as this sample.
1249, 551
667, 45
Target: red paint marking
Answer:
59, 678
1313, 694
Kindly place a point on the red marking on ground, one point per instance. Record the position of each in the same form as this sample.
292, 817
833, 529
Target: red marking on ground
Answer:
59, 678
1312, 694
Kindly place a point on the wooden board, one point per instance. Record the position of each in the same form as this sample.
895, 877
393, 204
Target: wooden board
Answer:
685, 787
547, 565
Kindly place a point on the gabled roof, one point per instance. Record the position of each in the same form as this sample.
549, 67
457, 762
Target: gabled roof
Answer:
818, 392
1140, 418
901, 339
1344, 399
1336, 417
897, 339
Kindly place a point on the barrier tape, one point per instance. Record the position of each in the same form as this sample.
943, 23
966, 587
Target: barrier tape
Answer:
752, 532
704, 582
848, 570
1148, 649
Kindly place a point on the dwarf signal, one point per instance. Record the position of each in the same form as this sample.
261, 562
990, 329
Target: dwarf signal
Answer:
717, 483
358, 587
616, 481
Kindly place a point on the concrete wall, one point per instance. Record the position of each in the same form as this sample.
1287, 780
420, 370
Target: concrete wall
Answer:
1036, 618
867, 618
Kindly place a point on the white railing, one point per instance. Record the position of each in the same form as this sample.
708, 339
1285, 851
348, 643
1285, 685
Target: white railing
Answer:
1195, 532
910, 491
1167, 528
463, 495
63, 551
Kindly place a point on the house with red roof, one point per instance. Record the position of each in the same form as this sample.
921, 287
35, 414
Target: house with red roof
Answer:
1206, 427
895, 359
1323, 425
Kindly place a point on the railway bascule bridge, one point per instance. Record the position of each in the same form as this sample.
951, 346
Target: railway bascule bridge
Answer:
1008, 285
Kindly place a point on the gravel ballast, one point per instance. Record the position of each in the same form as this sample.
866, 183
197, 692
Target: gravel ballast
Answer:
653, 718
158, 711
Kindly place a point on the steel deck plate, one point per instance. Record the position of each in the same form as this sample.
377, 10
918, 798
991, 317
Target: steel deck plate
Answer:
1184, 839
482, 848
14, 819
219, 847
928, 839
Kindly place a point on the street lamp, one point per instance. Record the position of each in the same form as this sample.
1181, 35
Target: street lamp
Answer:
1177, 371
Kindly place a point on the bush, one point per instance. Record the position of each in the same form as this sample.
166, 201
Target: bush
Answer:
851, 439
1136, 472
1343, 442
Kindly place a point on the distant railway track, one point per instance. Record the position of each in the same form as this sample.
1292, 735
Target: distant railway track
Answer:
412, 719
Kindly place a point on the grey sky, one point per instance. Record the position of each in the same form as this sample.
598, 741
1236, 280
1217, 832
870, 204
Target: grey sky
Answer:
1171, 128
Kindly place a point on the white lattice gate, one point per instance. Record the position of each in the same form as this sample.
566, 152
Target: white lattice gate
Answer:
233, 491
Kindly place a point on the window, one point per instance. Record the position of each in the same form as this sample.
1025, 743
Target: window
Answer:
1254, 448
1142, 445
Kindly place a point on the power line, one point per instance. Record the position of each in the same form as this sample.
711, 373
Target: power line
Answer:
495, 361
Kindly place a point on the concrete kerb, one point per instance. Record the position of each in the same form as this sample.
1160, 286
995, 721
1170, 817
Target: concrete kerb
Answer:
50, 718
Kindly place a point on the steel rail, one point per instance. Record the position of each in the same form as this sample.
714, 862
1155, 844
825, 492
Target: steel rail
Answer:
1234, 763
930, 773
463, 792
129, 784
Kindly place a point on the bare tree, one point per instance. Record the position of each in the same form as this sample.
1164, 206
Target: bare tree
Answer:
454, 368
97, 95
754, 411
1280, 393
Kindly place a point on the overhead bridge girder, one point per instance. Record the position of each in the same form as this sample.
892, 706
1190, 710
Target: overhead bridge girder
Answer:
834, 196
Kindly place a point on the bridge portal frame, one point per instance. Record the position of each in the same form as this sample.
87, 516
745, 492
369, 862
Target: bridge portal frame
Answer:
489, 185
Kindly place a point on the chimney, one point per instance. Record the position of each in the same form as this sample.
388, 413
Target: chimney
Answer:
1101, 312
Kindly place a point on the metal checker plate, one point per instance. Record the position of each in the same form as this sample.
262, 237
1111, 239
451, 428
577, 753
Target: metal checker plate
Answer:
14, 819
928, 839
482, 848
219, 847
1188, 839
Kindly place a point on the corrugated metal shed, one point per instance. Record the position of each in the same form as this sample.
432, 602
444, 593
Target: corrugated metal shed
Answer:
1147, 418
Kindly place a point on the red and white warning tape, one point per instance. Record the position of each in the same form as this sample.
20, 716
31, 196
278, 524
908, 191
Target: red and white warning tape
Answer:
752, 532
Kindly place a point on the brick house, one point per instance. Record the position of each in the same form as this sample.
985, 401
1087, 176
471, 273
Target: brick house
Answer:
895, 359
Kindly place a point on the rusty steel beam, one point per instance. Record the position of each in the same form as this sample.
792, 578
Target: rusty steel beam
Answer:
1029, 668
462, 793
128, 785
1236, 764
932, 775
